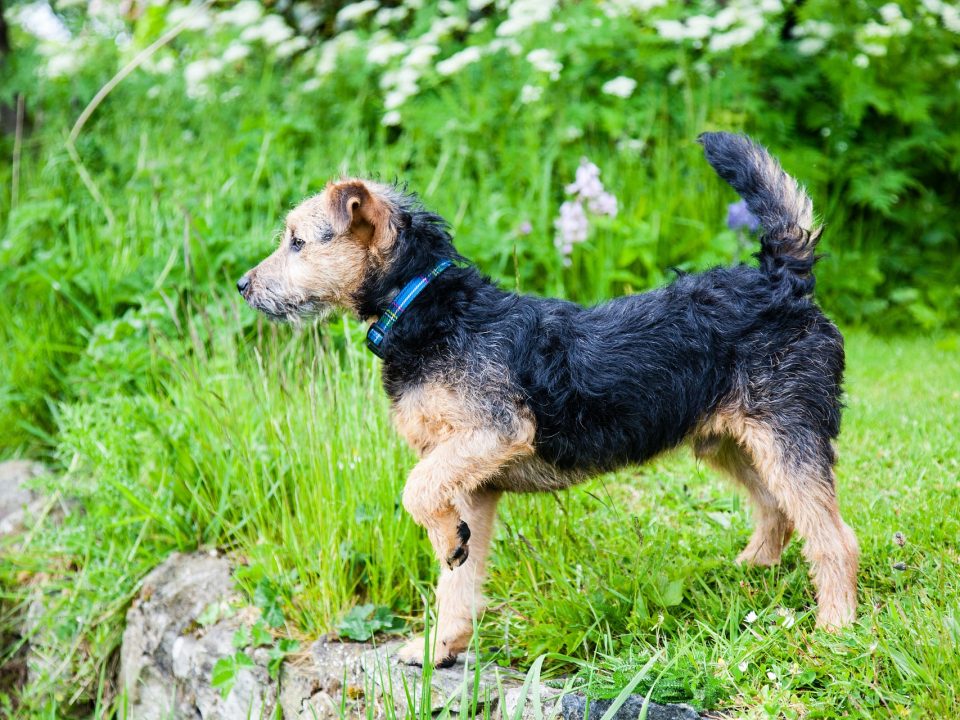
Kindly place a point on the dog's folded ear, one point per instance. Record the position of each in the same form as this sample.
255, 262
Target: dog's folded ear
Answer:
357, 209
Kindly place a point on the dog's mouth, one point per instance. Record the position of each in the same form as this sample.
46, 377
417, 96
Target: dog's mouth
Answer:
286, 310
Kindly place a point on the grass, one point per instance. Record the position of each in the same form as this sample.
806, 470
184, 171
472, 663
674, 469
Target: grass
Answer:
177, 419
281, 450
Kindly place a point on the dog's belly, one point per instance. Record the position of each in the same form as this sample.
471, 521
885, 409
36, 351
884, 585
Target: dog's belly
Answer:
535, 475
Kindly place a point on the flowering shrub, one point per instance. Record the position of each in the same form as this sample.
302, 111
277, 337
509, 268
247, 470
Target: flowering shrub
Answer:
859, 100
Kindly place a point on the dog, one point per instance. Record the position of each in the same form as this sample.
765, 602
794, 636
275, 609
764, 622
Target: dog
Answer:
499, 392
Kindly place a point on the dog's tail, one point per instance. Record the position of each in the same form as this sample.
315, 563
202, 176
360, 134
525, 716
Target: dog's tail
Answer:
785, 211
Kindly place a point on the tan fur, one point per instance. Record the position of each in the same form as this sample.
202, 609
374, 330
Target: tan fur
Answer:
461, 452
460, 600
327, 271
805, 499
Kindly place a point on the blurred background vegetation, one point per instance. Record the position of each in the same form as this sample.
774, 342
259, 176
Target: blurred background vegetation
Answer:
126, 217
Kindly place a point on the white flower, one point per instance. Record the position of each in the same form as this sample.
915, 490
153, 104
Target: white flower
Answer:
456, 62
523, 14
950, 15
312, 85
616, 8
676, 76
388, 16
751, 617
63, 63
382, 53
41, 21
734, 38
272, 30
810, 46
307, 18
391, 119
162, 65
891, 13
743, 665
508, 44
478, 5
671, 30
875, 49
421, 55
402, 77
235, 51
245, 12
291, 46
356, 11
621, 86
196, 73
632, 146
530, 94
698, 26
814, 28
545, 61
771, 676
861, 60
441, 27
193, 17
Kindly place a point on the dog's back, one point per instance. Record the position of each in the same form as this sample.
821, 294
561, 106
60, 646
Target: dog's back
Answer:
623, 381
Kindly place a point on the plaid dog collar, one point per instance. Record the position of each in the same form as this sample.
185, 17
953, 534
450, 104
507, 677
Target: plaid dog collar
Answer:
378, 331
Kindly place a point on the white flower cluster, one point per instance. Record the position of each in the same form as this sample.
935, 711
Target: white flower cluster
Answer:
621, 86
524, 14
735, 25
572, 224
812, 36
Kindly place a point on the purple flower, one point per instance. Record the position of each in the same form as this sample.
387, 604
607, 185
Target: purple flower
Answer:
739, 217
603, 203
525, 228
572, 226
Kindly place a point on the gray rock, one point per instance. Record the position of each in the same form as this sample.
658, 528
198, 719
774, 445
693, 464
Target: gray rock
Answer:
17, 501
452, 688
166, 659
574, 707
550, 704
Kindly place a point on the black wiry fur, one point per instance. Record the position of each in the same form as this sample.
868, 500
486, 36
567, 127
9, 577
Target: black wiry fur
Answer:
620, 382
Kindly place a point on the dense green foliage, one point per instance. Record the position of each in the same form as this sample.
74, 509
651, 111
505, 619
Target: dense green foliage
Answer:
179, 419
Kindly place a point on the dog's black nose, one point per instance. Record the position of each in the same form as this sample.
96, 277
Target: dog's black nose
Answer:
243, 283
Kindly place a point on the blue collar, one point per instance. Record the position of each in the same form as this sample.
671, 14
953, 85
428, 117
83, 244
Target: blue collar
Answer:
378, 331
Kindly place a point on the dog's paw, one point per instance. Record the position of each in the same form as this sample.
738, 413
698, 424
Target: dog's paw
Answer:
412, 654
462, 549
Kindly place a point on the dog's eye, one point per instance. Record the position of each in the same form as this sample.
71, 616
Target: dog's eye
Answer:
296, 243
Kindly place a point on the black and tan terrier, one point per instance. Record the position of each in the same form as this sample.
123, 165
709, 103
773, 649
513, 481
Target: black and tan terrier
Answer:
503, 392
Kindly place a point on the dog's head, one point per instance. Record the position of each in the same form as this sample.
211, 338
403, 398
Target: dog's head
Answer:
331, 244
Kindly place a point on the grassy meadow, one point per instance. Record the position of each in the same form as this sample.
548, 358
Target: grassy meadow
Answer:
175, 418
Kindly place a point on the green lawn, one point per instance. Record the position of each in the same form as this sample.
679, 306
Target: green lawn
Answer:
278, 447
178, 419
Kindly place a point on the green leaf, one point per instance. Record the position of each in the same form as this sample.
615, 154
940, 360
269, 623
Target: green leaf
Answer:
224, 675
241, 638
260, 635
277, 654
364, 621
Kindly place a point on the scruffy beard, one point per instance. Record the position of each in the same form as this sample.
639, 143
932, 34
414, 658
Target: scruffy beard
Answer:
293, 312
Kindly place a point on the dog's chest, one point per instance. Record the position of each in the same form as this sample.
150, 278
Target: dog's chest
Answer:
427, 415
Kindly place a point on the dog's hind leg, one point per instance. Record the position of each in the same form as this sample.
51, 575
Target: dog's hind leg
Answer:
796, 466
460, 591
772, 528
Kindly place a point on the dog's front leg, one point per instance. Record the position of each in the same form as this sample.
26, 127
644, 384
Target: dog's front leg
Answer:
460, 598
457, 467
445, 495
